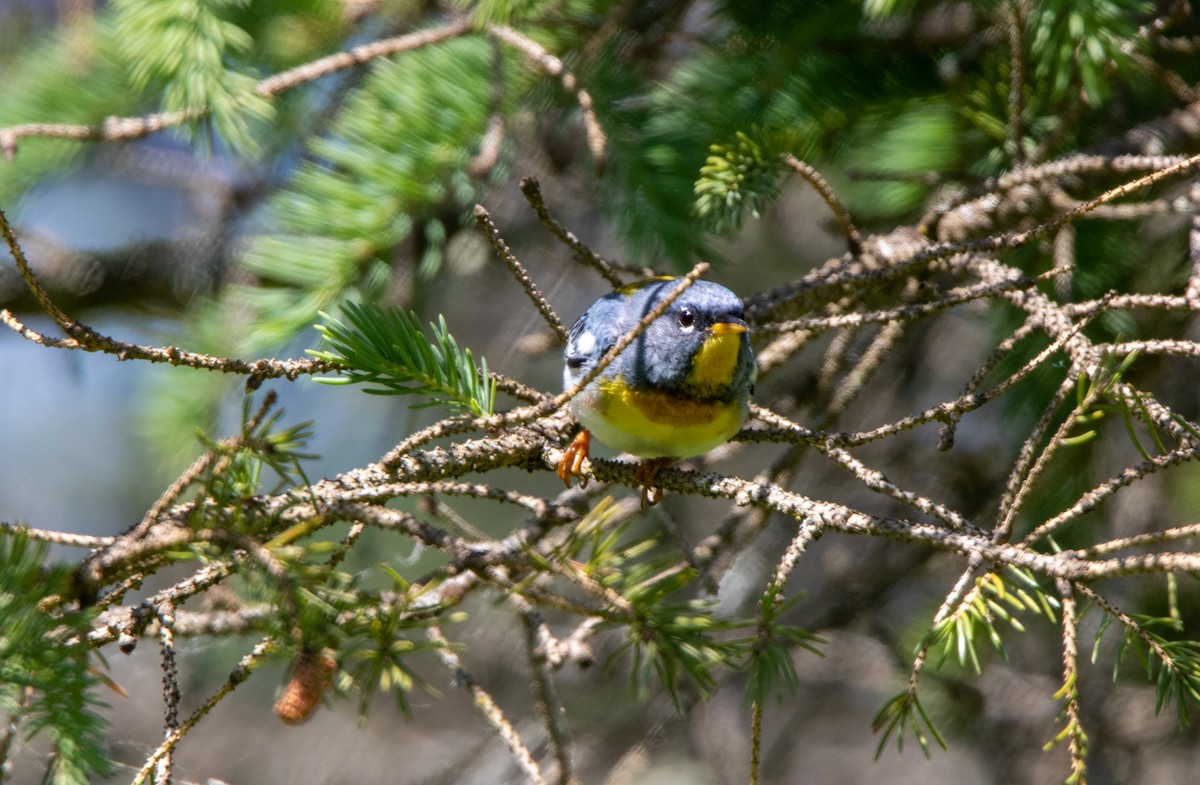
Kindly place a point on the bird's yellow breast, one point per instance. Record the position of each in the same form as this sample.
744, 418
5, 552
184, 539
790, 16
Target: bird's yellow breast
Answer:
657, 423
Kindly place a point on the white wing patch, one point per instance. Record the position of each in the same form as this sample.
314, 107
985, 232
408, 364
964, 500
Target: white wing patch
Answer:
585, 343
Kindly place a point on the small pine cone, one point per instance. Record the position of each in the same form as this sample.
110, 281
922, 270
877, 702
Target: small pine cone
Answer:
311, 675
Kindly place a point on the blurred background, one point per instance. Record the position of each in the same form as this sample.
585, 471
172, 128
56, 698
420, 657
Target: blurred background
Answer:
233, 234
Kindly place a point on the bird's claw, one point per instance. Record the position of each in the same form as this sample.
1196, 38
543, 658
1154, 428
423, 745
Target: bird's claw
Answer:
645, 476
576, 453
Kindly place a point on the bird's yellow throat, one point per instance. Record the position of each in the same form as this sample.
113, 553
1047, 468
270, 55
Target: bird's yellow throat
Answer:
712, 370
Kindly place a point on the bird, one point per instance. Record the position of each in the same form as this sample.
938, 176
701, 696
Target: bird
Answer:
680, 389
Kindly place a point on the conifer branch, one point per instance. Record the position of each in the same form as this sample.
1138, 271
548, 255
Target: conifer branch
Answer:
82, 337
126, 129
537, 54
360, 55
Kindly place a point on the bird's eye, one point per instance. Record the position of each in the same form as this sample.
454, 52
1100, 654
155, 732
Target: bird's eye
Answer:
687, 318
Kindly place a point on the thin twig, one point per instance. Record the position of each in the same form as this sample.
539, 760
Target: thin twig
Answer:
55, 537
1142, 540
1057, 171
1070, 651
222, 453
240, 673
483, 219
547, 697
961, 405
115, 129
1031, 460
1016, 239
170, 683
626, 340
857, 377
533, 194
487, 707
876, 481
1100, 493
756, 712
957, 598
1016, 79
83, 337
1192, 292
822, 187
596, 139
954, 297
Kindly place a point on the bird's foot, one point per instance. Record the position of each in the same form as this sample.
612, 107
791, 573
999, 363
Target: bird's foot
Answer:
573, 458
645, 476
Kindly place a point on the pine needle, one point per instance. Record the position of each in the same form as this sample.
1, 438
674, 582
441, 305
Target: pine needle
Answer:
385, 347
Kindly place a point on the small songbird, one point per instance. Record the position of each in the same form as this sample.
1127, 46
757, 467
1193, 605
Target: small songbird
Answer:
680, 389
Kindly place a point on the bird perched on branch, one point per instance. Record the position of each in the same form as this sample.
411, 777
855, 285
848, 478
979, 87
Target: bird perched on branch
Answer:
680, 389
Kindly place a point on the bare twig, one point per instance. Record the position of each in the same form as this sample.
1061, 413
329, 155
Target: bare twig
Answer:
56, 537
1016, 79
240, 673
487, 707
483, 219
1033, 457
1100, 493
1077, 744
83, 337
597, 141
533, 194
123, 129
876, 481
819, 184
1192, 292
547, 697
170, 683
955, 297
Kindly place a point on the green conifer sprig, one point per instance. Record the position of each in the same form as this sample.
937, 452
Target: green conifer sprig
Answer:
772, 671
678, 644
901, 715
264, 444
184, 48
1084, 43
1173, 665
737, 179
993, 599
60, 704
386, 348
382, 642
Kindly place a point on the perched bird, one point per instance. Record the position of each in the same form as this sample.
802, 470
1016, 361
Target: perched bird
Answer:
680, 389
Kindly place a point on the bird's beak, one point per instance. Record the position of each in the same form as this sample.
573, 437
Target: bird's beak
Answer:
729, 328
